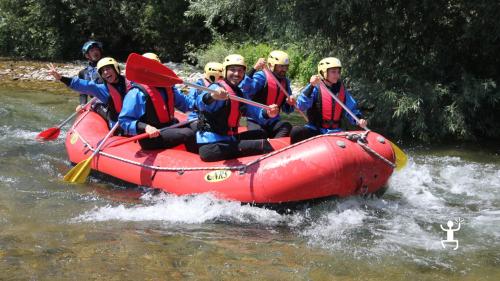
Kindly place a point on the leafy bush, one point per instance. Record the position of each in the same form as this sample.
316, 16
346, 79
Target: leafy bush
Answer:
301, 66
424, 70
57, 29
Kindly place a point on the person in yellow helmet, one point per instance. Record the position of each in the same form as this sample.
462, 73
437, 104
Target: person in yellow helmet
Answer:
111, 93
149, 109
217, 136
212, 74
267, 91
323, 112
152, 56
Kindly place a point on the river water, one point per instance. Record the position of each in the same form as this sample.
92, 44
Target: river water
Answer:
103, 230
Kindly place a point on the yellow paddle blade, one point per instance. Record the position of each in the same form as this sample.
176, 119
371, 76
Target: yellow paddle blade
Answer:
401, 158
79, 173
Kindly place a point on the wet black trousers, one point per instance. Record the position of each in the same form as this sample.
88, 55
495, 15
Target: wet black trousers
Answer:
278, 129
300, 133
171, 138
249, 143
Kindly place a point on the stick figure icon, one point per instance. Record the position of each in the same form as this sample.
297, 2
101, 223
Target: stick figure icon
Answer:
449, 233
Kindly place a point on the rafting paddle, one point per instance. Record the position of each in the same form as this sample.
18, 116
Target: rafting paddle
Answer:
401, 158
53, 132
150, 72
146, 135
81, 171
270, 74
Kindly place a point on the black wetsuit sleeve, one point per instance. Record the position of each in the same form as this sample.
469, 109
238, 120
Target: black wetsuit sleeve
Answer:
66, 80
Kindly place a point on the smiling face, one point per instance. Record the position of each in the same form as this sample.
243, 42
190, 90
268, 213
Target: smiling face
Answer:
94, 54
234, 74
108, 73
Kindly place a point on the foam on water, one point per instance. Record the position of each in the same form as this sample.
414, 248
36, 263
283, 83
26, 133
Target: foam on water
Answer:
333, 229
8, 133
414, 183
472, 179
195, 209
421, 197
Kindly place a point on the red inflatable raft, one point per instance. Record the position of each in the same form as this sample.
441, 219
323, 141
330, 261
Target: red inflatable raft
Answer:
328, 165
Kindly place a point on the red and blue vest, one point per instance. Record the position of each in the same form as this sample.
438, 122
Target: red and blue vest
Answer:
271, 93
325, 112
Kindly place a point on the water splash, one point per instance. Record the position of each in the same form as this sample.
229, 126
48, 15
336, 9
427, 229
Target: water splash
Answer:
9, 133
196, 209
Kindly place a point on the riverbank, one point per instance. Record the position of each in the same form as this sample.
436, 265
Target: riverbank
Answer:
33, 75
27, 74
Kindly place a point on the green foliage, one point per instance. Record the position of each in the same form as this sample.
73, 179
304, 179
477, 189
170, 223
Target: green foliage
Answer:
215, 52
56, 29
423, 70
301, 66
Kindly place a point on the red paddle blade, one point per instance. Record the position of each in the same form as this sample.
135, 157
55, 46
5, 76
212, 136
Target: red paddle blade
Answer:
49, 134
150, 72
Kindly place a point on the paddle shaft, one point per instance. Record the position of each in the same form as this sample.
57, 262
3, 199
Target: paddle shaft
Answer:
80, 172
236, 98
343, 105
73, 115
158, 75
401, 157
146, 135
286, 92
105, 139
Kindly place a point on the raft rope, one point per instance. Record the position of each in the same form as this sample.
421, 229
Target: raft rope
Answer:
79, 120
359, 138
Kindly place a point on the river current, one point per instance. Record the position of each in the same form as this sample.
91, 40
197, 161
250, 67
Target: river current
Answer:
108, 230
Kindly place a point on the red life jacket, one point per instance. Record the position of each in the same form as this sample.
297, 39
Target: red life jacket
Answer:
274, 94
116, 97
164, 113
206, 82
233, 120
331, 114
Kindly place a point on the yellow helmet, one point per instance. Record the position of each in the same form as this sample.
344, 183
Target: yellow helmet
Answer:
233, 59
326, 63
277, 57
108, 61
213, 71
152, 56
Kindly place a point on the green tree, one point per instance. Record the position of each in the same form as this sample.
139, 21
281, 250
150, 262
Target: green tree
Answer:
422, 69
56, 29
